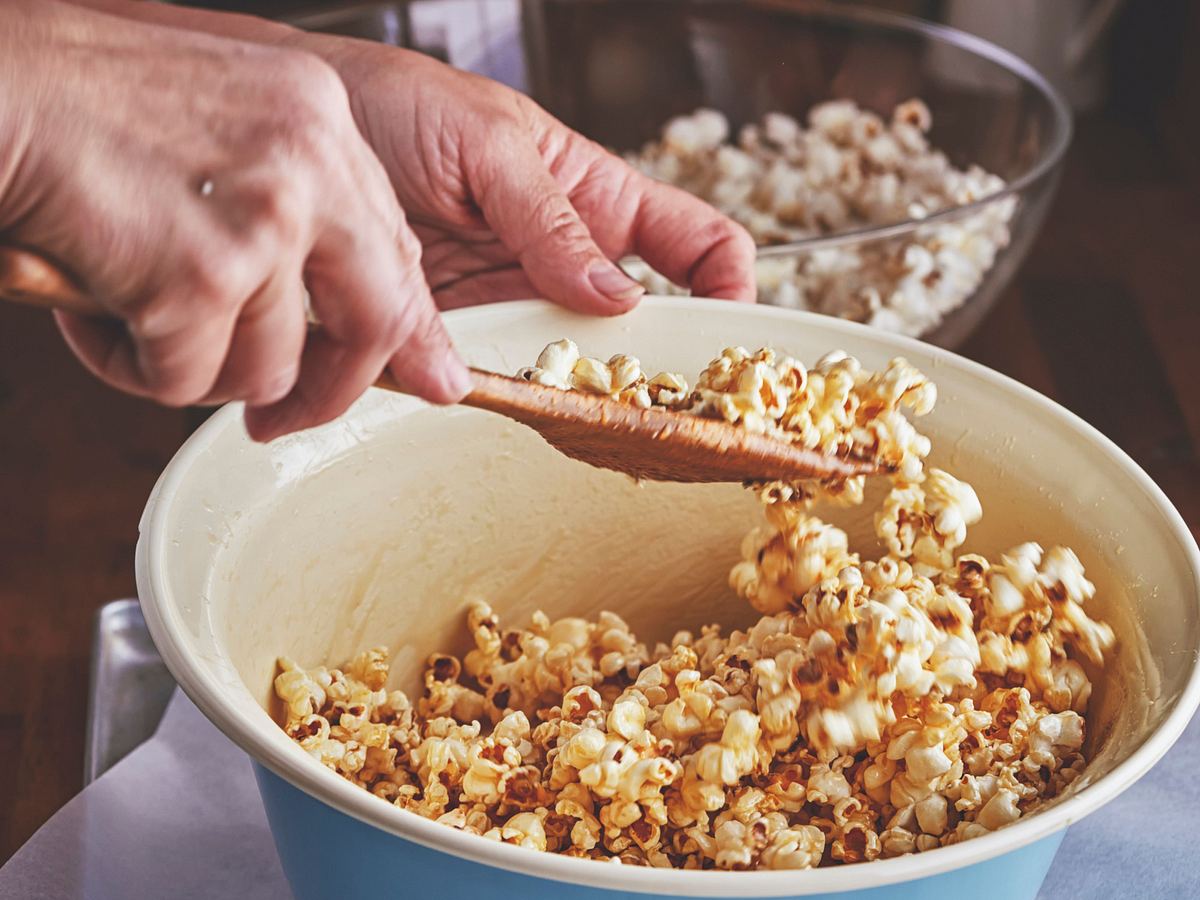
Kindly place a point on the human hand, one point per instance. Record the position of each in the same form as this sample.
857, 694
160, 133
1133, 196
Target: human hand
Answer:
195, 185
509, 202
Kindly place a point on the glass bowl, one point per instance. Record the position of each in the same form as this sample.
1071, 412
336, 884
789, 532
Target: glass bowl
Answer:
618, 70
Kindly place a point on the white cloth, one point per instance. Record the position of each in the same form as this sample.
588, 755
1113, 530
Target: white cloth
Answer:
179, 817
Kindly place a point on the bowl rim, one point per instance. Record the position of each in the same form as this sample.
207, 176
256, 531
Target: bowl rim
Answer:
284, 758
1048, 161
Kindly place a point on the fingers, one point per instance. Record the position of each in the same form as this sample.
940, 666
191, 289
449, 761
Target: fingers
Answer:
463, 272
426, 362
177, 365
263, 361
199, 245
531, 214
105, 349
693, 244
364, 278
175, 344
375, 309
491, 286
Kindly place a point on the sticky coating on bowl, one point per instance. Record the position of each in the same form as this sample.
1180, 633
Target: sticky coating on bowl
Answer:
378, 527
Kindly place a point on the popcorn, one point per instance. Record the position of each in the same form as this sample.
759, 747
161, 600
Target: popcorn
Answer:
925, 523
877, 707
837, 407
559, 359
302, 692
780, 565
799, 847
524, 829
1000, 810
726, 761
559, 365
848, 170
592, 376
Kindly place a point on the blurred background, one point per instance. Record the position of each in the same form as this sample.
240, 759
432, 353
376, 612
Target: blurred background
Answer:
1092, 299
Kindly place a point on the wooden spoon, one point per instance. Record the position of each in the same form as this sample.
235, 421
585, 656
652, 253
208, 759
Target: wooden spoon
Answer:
657, 444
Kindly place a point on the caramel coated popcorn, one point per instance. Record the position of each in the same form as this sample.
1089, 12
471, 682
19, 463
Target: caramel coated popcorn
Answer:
847, 170
878, 707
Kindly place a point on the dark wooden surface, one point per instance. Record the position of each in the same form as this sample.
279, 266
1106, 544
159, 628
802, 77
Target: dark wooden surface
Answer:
1105, 318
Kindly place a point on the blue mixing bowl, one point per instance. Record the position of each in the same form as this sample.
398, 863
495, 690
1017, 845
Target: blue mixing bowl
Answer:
375, 528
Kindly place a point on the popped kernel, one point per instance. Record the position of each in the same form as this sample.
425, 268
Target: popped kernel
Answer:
877, 707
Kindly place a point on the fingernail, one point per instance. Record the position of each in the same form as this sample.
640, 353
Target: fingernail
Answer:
614, 284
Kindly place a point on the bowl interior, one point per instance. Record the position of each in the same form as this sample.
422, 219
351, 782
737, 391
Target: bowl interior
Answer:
377, 528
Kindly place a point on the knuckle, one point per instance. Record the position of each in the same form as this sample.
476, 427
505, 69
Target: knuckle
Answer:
155, 318
312, 79
317, 107
276, 214
407, 327
557, 225
426, 331
722, 231
213, 281
309, 141
371, 325
513, 113
503, 127
407, 244
742, 239
393, 328
503, 142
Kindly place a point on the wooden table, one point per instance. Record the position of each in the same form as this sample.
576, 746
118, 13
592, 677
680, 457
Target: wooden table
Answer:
1104, 318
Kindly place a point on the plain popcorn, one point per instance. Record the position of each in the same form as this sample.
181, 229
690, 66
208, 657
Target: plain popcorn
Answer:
848, 170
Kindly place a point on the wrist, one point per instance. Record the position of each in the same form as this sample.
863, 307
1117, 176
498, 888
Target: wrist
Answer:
342, 53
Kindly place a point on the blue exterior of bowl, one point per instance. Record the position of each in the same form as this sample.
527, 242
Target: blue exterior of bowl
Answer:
326, 854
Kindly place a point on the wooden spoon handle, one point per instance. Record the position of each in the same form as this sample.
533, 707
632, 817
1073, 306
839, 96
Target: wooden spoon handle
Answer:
29, 278
598, 430
502, 394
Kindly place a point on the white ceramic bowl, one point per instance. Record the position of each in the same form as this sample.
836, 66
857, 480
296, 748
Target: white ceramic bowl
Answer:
375, 528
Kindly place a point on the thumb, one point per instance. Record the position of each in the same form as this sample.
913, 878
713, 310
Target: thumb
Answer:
536, 221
